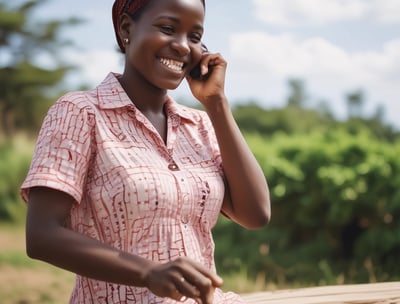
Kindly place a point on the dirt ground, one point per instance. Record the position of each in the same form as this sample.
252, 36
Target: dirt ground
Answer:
24, 281
34, 286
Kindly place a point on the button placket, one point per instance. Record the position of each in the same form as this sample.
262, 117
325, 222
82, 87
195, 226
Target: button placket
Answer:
185, 211
185, 199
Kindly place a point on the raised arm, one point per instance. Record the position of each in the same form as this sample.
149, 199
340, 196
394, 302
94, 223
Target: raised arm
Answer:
247, 199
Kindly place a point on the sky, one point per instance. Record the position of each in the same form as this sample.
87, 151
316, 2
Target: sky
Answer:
335, 46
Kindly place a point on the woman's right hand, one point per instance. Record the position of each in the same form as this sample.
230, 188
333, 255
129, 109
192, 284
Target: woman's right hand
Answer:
181, 279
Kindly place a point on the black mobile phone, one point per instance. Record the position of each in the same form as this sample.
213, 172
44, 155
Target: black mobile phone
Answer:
195, 72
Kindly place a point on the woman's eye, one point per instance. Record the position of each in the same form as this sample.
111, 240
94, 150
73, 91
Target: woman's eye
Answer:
195, 38
167, 29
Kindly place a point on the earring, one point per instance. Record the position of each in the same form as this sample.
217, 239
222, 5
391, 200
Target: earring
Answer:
126, 40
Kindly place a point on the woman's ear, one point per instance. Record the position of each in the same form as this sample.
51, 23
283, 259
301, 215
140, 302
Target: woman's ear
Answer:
126, 25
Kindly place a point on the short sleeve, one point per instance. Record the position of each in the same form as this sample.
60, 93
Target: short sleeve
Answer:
63, 150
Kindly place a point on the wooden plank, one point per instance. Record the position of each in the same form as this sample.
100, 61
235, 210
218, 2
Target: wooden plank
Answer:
376, 293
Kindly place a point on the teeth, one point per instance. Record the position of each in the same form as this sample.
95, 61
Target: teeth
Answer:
172, 64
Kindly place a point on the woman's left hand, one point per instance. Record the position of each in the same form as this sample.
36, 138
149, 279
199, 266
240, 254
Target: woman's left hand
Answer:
211, 85
247, 199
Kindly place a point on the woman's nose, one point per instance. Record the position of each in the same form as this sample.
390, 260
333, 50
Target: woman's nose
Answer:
181, 46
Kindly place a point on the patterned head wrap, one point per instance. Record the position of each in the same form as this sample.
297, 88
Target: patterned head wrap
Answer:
126, 6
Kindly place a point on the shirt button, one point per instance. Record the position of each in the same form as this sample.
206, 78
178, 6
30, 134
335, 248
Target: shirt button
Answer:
173, 166
185, 219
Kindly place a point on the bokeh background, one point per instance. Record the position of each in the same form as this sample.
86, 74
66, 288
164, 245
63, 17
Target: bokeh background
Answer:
314, 86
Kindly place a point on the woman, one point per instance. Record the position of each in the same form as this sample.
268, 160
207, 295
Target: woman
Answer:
125, 184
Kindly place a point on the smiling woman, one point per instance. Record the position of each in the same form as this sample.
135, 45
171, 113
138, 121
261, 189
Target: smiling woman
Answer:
125, 184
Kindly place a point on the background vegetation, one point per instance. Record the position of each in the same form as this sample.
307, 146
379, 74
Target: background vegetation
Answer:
334, 183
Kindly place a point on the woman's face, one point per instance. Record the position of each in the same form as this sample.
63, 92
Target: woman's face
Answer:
165, 42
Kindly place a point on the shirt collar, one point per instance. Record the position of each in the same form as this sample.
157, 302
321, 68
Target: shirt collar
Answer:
182, 111
111, 95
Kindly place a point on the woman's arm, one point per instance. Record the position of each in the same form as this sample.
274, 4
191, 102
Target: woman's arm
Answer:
247, 199
48, 239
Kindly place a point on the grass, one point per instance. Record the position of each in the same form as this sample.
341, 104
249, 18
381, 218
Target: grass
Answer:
27, 281
241, 283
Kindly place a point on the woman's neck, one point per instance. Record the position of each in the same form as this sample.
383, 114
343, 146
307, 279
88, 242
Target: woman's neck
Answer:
146, 97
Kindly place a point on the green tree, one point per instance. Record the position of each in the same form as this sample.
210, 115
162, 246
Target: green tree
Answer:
297, 95
25, 84
355, 102
253, 118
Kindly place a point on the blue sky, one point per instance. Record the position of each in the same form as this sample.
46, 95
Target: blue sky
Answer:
335, 46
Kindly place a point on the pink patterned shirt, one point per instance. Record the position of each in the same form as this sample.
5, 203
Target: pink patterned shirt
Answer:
133, 191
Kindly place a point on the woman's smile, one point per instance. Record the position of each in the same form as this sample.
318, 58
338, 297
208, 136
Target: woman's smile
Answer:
173, 65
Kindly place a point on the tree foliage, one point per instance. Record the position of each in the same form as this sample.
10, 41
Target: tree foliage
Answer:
297, 94
15, 157
25, 83
335, 210
298, 117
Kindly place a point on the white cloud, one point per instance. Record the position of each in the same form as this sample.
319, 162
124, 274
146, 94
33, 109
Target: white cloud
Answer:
328, 70
298, 12
315, 57
386, 11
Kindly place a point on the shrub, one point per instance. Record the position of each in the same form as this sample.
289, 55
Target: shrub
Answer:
15, 157
335, 211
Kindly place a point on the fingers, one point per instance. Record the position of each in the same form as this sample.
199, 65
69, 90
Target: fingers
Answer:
200, 289
207, 278
197, 282
205, 287
209, 61
168, 288
210, 85
186, 288
207, 64
182, 279
178, 296
196, 273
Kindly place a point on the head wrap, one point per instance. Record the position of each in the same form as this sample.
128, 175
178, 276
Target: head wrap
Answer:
124, 6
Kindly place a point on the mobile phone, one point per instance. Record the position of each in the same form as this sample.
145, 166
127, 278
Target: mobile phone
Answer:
195, 73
